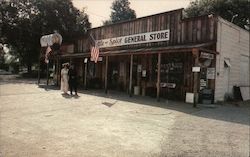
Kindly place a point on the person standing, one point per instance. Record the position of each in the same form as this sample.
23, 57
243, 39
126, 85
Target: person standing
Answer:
73, 79
64, 78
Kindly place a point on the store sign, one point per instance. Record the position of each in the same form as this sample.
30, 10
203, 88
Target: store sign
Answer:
148, 37
211, 73
203, 83
206, 55
49, 40
196, 69
168, 85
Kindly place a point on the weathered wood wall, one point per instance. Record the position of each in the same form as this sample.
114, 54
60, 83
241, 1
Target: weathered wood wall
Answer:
182, 31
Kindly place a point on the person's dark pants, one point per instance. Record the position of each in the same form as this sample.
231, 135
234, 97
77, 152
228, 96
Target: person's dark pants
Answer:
73, 85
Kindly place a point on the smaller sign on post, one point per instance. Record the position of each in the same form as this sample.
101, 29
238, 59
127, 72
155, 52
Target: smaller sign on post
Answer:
144, 73
139, 68
206, 55
196, 69
211, 73
85, 60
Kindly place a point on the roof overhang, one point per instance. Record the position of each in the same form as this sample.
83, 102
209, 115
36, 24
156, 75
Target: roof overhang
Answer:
153, 50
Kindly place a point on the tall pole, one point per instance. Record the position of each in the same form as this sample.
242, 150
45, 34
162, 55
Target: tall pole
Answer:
106, 74
158, 76
57, 70
131, 75
85, 73
39, 67
195, 54
47, 74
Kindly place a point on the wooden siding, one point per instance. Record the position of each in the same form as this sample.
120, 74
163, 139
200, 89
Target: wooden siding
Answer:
182, 31
232, 44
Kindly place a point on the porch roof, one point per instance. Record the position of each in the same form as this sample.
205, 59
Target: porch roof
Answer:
153, 50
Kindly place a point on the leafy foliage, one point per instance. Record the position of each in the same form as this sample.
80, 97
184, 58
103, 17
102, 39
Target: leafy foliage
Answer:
23, 22
121, 11
236, 11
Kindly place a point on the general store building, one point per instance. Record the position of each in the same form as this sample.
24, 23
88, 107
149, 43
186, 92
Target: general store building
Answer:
163, 56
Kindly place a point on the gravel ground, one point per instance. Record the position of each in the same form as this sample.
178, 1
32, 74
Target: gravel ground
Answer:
35, 122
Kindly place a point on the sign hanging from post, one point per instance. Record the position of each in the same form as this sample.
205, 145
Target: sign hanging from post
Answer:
49, 40
211, 73
196, 69
206, 55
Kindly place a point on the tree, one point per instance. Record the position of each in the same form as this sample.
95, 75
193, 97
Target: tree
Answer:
236, 11
121, 11
23, 22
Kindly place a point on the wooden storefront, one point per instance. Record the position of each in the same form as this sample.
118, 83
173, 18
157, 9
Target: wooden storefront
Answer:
159, 68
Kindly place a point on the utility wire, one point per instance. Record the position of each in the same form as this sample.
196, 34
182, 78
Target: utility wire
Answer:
97, 15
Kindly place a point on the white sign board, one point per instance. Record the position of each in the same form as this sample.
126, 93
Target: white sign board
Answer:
144, 73
196, 69
139, 68
245, 93
85, 60
148, 37
206, 55
189, 97
49, 40
211, 73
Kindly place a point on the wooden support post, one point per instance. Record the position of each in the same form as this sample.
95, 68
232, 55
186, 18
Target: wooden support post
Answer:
131, 75
39, 69
158, 76
57, 71
106, 75
47, 74
195, 53
85, 74
70, 61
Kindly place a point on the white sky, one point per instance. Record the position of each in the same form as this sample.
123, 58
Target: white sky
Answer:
99, 10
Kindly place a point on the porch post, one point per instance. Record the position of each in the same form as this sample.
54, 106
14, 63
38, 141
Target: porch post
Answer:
57, 70
39, 67
106, 75
70, 61
131, 75
85, 74
196, 61
47, 74
158, 76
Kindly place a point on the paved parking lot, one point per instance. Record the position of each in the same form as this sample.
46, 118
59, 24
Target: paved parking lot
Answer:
35, 122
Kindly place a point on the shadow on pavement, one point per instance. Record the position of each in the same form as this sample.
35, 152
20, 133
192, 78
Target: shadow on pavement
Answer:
49, 87
229, 113
16, 79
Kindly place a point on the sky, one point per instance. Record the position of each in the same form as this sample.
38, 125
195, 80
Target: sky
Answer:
99, 10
